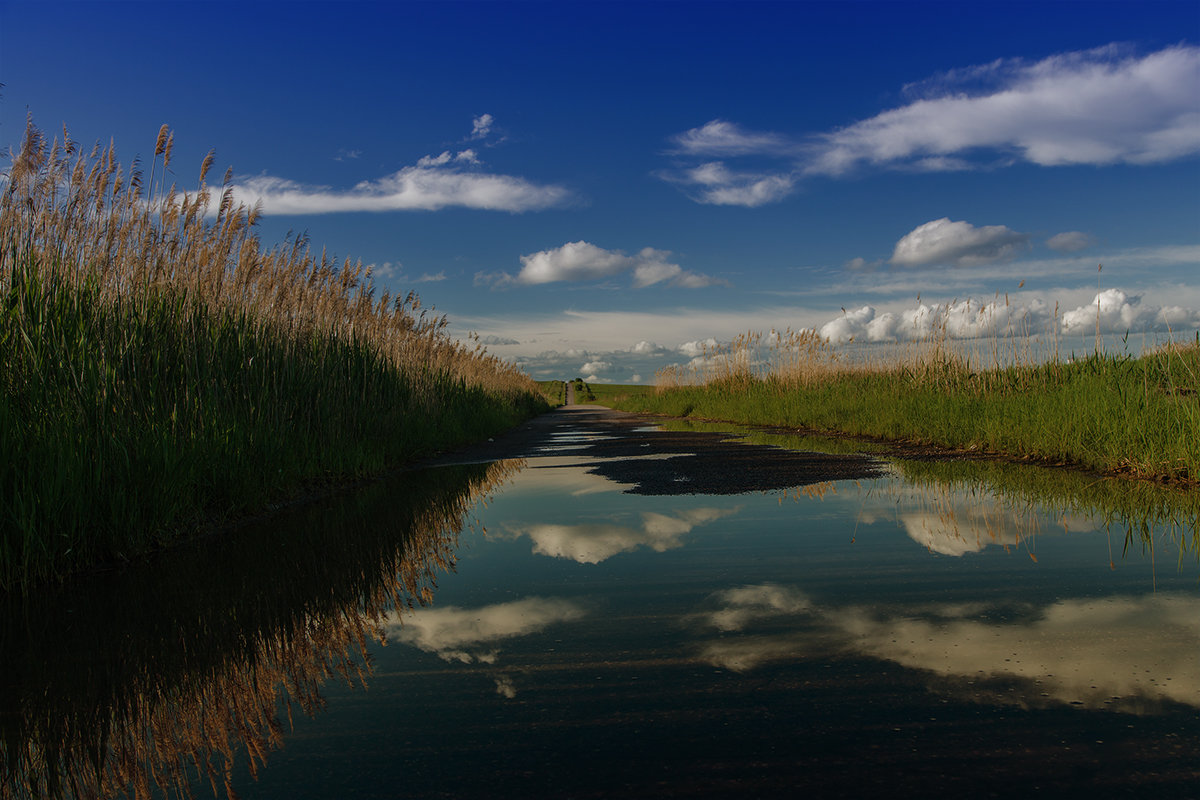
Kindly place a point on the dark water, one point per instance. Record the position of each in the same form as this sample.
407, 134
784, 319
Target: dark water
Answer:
933, 630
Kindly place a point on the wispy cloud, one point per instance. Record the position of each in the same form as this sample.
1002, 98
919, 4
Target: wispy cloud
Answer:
447, 180
584, 261
723, 138
1096, 107
1069, 241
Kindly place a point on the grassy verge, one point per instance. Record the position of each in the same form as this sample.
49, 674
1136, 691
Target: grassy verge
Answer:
555, 392
614, 394
1139, 416
162, 369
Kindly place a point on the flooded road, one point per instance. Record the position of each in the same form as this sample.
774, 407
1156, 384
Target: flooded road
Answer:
599, 606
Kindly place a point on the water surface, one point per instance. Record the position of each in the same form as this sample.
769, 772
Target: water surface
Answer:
927, 629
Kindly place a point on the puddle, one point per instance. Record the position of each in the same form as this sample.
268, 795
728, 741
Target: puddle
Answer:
538, 628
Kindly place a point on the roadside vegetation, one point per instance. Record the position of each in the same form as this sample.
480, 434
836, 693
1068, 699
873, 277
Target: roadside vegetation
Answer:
162, 369
555, 392
1138, 416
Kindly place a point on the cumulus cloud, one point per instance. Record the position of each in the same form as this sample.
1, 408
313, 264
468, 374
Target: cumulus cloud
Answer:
1069, 241
1113, 311
596, 366
1096, 107
959, 244
1118, 313
697, 348
584, 261
474, 634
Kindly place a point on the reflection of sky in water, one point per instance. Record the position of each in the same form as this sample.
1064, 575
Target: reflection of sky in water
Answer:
589, 641
1089, 652
847, 568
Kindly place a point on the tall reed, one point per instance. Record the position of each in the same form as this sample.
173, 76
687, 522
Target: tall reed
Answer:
162, 367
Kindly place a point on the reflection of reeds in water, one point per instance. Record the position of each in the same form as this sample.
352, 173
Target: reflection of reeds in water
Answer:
149, 682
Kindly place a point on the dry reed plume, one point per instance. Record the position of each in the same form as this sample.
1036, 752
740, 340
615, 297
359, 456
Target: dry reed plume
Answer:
83, 219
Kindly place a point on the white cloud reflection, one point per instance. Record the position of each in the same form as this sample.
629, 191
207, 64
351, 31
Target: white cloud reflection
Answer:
1124, 653
474, 634
594, 543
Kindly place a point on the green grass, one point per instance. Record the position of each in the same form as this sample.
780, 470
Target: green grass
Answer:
555, 392
613, 394
1120, 414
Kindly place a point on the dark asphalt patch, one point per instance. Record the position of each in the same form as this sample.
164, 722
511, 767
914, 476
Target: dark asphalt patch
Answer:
630, 449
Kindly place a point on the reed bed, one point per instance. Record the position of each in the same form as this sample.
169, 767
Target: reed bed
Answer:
1136, 415
163, 368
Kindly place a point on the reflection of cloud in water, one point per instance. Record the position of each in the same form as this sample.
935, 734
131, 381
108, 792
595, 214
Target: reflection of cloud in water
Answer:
591, 544
954, 522
471, 634
747, 604
505, 687
1085, 651
969, 530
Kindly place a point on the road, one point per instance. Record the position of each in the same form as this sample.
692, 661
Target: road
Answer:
632, 449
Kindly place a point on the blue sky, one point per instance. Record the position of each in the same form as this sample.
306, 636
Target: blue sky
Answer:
596, 188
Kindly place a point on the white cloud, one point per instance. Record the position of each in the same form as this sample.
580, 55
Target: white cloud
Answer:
1093, 107
472, 634
430, 278
1116, 312
697, 348
722, 138
1096, 107
481, 126
959, 244
417, 188
583, 261
972, 319
713, 183
595, 366
1069, 241
436, 181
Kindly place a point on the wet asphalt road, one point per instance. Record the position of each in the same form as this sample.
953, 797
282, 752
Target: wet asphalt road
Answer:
632, 449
